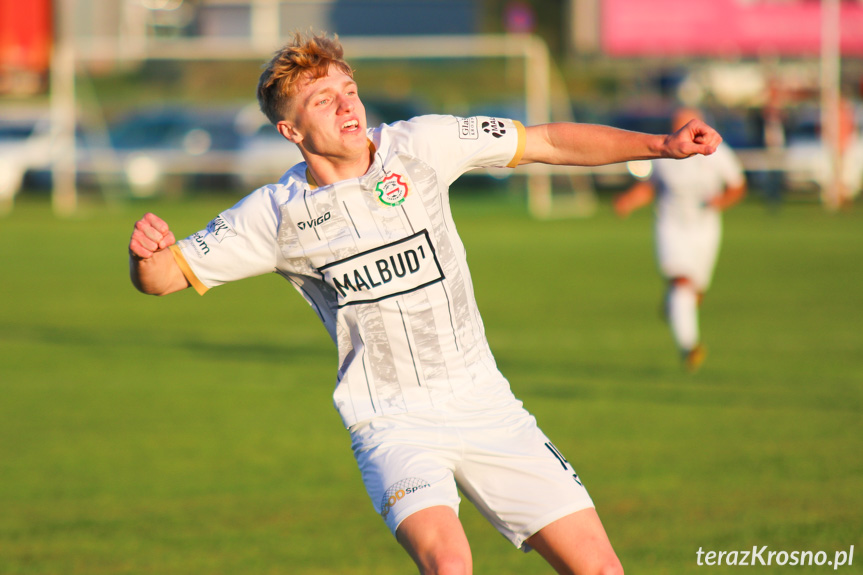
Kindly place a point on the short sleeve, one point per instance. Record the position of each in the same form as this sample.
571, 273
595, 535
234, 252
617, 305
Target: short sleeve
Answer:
239, 243
456, 145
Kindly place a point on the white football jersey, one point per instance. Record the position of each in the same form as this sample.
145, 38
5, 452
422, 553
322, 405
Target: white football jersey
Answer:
378, 259
685, 186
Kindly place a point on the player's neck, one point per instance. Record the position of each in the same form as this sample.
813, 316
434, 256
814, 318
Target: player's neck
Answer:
325, 170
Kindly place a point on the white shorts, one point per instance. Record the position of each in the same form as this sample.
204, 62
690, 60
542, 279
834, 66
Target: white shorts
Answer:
688, 250
495, 454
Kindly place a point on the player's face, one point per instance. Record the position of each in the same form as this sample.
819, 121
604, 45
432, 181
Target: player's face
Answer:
328, 119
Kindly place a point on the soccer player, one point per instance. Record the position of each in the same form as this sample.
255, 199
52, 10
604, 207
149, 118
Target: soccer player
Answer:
690, 197
362, 230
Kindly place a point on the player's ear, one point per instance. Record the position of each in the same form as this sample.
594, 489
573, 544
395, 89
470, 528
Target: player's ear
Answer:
289, 131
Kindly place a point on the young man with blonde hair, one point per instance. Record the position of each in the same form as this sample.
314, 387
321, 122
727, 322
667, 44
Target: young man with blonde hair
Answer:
363, 230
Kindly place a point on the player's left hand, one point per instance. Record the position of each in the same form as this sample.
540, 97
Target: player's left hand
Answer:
695, 137
151, 234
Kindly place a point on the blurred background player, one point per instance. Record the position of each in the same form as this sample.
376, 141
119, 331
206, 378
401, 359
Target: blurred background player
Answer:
690, 196
850, 180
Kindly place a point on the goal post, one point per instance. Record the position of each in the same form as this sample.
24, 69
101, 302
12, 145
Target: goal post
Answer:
531, 50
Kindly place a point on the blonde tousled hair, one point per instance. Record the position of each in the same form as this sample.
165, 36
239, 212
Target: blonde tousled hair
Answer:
307, 56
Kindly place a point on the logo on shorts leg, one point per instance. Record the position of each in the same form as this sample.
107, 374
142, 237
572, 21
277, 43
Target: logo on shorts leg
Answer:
399, 491
566, 465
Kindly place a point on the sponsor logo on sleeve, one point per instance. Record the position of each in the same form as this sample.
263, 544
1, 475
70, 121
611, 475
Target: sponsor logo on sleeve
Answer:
199, 243
467, 129
220, 229
397, 268
494, 127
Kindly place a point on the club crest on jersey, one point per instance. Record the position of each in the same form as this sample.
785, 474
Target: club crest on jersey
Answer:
392, 190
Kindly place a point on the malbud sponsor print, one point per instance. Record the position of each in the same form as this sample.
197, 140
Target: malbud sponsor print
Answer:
400, 267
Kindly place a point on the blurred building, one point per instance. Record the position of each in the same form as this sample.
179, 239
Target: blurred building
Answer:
25, 45
345, 17
745, 28
273, 18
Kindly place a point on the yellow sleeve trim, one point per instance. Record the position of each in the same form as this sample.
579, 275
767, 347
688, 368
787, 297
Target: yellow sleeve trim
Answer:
522, 140
187, 271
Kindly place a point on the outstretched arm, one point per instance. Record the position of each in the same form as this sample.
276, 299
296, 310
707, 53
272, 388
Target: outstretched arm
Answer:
152, 266
571, 144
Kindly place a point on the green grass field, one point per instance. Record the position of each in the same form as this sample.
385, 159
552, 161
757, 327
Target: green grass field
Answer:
195, 435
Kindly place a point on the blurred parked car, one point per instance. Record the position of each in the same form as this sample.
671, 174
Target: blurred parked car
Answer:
25, 145
807, 163
167, 148
264, 155
152, 151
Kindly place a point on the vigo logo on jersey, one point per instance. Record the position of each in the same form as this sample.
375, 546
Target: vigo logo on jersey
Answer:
397, 268
309, 224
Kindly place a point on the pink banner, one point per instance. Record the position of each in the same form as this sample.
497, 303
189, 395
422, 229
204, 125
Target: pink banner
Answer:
723, 27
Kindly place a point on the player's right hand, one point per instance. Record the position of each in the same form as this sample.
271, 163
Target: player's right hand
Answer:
150, 235
695, 137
